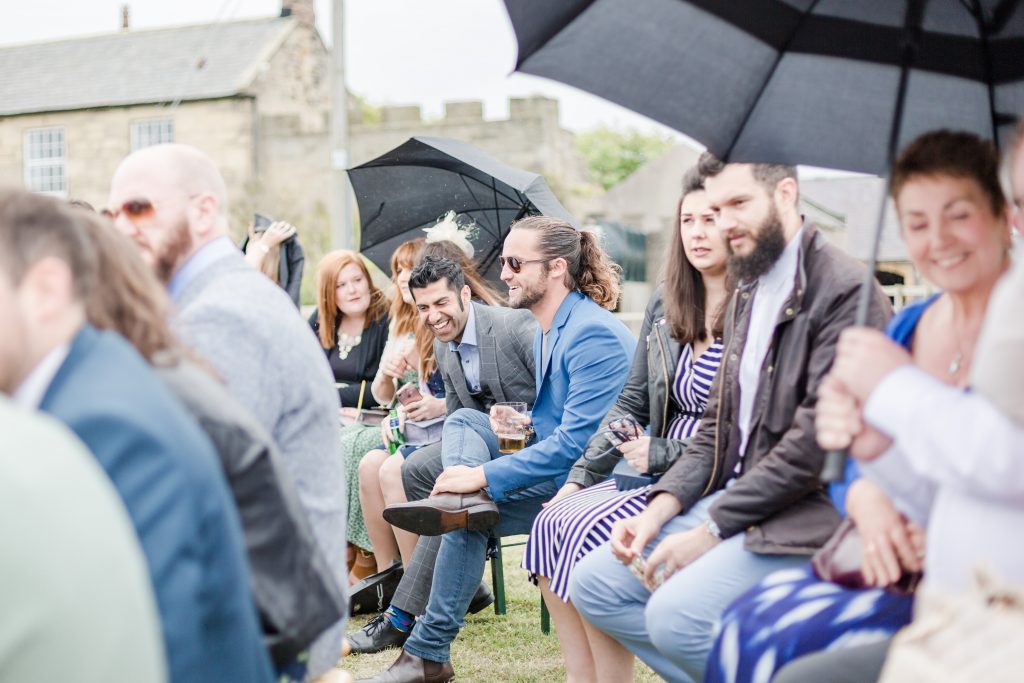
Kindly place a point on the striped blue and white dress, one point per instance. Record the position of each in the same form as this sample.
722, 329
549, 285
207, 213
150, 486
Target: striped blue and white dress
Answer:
565, 532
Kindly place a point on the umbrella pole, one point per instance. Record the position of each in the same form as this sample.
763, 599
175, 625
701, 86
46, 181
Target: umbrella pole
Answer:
835, 461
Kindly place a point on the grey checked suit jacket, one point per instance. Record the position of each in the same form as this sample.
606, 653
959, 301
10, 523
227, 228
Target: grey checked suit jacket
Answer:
506, 376
248, 329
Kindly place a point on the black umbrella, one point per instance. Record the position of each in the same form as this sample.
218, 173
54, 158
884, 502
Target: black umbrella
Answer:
822, 82
815, 82
409, 188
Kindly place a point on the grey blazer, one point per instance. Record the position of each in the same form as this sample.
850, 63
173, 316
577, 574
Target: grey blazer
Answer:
248, 329
507, 373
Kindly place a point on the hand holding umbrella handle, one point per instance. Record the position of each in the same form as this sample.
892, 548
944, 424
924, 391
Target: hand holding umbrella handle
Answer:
835, 467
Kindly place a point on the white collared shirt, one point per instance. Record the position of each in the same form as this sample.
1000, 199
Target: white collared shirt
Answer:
30, 392
770, 296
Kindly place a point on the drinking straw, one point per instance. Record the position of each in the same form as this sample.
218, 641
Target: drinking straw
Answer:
362, 389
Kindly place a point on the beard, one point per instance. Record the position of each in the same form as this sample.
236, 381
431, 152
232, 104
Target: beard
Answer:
179, 243
769, 243
528, 296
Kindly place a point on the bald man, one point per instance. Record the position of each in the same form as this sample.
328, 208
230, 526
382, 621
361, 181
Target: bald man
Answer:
172, 202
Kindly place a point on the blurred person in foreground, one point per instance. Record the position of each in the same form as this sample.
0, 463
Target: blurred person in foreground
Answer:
161, 464
292, 584
952, 459
744, 499
172, 202
95, 615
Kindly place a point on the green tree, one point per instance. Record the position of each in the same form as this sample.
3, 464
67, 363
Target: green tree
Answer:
611, 154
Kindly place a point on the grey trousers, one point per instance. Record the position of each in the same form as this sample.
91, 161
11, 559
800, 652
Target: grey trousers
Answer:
861, 664
419, 472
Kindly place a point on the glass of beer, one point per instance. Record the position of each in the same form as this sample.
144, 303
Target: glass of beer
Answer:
510, 426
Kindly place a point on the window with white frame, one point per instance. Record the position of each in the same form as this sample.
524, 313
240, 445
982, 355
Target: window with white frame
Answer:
151, 132
45, 161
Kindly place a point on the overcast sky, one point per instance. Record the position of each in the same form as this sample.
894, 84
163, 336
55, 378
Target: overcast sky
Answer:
397, 51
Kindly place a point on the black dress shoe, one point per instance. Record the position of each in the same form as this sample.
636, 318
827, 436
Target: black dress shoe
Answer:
444, 512
374, 593
481, 599
377, 635
409, 668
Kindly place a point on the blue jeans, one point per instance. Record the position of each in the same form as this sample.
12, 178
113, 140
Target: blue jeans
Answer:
468, 440
673, 629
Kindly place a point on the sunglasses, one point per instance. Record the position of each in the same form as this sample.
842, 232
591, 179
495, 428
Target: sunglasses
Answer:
133, 209
515, 264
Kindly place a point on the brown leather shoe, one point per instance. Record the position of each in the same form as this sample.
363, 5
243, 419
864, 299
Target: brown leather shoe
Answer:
444, 512
409, 668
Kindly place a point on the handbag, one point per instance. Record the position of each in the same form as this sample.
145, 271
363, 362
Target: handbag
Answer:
961, 637
840, 560
628, 477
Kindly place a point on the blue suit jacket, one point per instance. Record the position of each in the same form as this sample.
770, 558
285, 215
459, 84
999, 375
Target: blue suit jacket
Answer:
168, 476
589, 356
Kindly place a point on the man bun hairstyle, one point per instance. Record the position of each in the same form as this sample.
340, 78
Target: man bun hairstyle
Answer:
431, 269
589, 270
768, 175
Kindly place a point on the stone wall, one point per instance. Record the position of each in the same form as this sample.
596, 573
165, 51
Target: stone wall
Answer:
98, 139
531, 138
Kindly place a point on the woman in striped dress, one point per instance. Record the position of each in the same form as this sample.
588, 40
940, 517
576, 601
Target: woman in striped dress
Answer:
666, 391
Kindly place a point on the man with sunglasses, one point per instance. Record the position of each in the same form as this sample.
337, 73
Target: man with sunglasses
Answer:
582, 355
172, 202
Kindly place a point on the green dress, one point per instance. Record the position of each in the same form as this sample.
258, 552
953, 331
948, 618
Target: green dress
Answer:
357, 440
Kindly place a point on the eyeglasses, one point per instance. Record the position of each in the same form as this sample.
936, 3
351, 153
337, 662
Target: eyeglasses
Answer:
133, 209
515, 264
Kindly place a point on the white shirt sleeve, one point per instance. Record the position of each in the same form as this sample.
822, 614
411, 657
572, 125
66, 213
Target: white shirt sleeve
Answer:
951, 437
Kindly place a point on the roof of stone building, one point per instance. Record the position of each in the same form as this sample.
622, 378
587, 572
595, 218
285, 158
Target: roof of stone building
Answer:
197, 62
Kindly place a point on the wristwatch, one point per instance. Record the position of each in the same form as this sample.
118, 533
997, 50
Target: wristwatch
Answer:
713, 528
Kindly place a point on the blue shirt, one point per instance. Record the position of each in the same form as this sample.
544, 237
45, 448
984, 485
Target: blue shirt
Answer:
469, 352
197, 263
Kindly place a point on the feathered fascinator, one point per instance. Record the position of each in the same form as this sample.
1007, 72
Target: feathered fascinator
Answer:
458, 230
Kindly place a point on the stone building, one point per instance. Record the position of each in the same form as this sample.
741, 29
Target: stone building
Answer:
253, 94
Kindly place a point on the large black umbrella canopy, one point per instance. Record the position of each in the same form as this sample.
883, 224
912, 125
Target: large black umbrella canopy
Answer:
788, 81
409, 188
836, 83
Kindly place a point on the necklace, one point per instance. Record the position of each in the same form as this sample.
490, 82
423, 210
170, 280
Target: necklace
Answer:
954, 365
347, 343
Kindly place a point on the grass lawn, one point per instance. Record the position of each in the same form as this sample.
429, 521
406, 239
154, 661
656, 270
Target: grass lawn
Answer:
492, 648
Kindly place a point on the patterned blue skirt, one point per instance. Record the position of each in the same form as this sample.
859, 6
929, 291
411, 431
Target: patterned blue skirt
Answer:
792, 613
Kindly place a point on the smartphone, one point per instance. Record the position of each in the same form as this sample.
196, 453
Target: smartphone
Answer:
260, 223
409, 393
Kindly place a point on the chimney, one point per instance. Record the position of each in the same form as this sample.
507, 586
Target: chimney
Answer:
124, 17
303, 10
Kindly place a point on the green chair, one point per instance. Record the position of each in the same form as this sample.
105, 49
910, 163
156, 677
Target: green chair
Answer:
498, 585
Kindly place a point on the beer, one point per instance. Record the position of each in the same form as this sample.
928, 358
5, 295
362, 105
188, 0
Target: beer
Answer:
510, 443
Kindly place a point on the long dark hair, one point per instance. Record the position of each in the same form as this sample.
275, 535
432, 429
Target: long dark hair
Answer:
684, 295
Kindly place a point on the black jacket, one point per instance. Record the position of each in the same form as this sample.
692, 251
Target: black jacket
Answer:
778, 498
